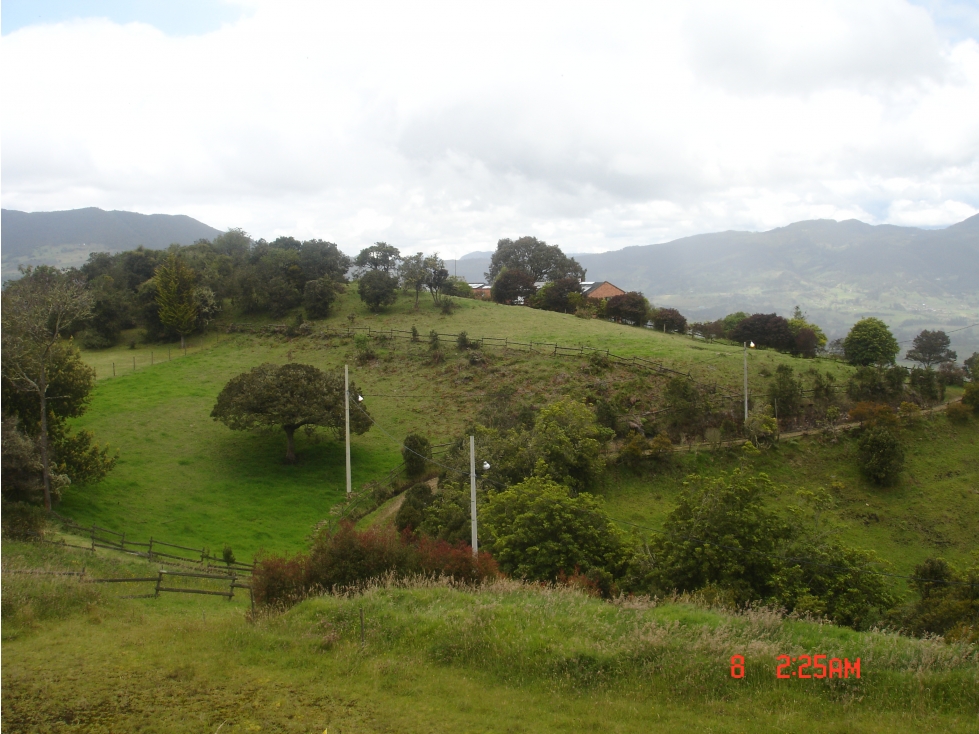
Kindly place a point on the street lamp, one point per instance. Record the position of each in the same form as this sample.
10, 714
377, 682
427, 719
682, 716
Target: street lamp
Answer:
472, 491
746, 347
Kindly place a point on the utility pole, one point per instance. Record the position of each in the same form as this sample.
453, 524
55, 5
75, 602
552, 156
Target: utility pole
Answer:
472, 491
346, 408
745, 384
746, 345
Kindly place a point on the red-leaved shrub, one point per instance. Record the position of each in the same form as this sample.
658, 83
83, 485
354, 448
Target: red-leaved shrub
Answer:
346, 558
277, 580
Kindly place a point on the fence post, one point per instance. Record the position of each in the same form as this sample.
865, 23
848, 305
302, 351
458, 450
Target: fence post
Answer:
113, 369
159, 582
134, 364
168, 354
150, 554
151, 358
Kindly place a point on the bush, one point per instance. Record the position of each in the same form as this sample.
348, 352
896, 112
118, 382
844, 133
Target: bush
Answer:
661, 447
377, 289
416, 452
22, 521
957, 413
538, 531
462, 341
874, 414
971, 396
412, 511
280, 581
785, 392
926, 384
880, 456
448, 306
318, 297
632, 453
947, 604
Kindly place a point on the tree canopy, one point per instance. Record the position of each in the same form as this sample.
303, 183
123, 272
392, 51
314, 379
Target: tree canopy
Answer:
870, 342
175, 296
377, 289
631, 308
512, 285
289, 396
765, 330
534, 256
379, 256
931, 348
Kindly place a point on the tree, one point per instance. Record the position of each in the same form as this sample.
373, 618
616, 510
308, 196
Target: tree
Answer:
931, 348
416, 453
971, 366
512, 285
541, 260
684, 406
765, 330
289, 396
971, 396
669, 319
377, 289
318, 297
558, 295
809, 338
731, 321
537, 532
880, 456
379, 256
436, 277
411, 514
870, 342
413, 274
630, 308
36, 310
785, 392
207, 305
722, 532
175, 296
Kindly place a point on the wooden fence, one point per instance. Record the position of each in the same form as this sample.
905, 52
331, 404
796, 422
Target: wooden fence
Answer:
153, 550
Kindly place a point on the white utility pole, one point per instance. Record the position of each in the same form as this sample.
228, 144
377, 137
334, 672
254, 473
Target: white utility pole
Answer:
472, 491
346, 407
746, 378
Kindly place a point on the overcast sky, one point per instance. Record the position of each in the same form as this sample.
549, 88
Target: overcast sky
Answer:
445, 126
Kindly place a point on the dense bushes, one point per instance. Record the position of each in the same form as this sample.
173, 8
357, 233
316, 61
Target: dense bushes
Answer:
347, 558
416, 452
880, 456
947, 603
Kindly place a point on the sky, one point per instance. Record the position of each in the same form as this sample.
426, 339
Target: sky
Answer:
445, 126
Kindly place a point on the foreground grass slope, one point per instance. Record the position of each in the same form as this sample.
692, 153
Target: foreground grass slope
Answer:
507, 657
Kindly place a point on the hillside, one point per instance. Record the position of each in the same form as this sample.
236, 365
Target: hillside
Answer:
185, 478
67, 237
837, 271
504, 657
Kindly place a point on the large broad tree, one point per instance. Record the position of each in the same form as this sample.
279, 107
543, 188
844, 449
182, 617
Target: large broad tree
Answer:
379, 256
175, 296
37, 310
290, 397
377, 289
541, 260
630, 308
513, 286
870, 342
765, 330
931, 348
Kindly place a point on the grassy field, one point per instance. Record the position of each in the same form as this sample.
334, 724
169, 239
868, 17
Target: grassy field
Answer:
505, 658
184, 478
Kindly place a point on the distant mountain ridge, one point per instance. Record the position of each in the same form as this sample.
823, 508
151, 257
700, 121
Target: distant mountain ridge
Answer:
63, 236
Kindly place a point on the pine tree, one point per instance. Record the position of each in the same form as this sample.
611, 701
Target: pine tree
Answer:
175, 296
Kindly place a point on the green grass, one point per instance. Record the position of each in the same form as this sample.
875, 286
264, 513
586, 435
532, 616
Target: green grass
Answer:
932, 511
508, 657
186, 479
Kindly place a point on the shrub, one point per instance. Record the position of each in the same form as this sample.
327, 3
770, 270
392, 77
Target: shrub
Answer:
319, 295
785, 392
880, 455
462, 341
280, 581
661, 447
633, 451
434, 343
957, 413
365, 349
926, 384
346, 557
412, 511
947, 604
414, 333
873, 414
416, 452
377, 289
448, 306
22, 521
538, 531
971, 396
438, 557
910, 413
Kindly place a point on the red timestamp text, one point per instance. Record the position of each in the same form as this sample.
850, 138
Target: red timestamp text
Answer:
804, 667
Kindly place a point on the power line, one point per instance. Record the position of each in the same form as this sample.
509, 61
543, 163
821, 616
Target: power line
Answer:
963, 328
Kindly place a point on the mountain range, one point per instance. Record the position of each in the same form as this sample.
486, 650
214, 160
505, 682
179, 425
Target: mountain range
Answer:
837, 272
67, 237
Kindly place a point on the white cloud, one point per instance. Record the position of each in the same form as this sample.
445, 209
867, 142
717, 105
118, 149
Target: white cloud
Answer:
438, 126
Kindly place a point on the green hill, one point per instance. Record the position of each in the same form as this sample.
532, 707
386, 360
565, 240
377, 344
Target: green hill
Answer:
183, 477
